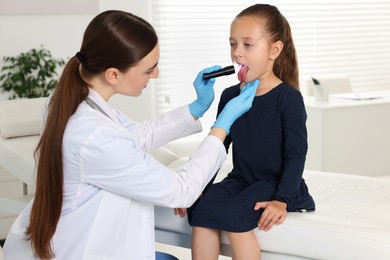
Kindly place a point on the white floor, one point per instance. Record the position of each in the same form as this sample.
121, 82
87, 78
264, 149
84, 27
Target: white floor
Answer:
180, 252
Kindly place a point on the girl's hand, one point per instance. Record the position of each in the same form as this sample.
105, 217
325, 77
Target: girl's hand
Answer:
275, 212
181, 211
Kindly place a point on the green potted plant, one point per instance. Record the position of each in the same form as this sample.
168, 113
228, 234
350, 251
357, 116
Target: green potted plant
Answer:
30, 74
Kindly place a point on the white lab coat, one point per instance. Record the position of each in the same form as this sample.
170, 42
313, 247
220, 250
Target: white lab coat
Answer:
111, 183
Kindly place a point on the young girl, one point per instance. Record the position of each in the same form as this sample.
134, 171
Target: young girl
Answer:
269, 142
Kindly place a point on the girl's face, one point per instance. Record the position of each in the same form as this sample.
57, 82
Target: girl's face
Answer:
250, 48
135, 79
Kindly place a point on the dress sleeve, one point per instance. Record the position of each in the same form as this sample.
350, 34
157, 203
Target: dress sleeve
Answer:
112, 160
295, 148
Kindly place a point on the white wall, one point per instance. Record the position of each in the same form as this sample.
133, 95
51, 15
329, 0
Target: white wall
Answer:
62, 35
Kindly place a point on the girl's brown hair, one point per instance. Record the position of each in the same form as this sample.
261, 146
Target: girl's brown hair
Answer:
278, 29
112, 39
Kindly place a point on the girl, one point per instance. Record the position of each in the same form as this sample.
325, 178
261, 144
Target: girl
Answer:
269, 142
96, 181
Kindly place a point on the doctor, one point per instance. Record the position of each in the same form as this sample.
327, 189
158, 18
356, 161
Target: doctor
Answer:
96, 181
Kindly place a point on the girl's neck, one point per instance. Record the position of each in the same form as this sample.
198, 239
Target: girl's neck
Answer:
266, 84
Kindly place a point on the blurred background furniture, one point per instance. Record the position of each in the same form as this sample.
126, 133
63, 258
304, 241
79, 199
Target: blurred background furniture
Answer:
331, 84
350, 133
20, 122
1, 254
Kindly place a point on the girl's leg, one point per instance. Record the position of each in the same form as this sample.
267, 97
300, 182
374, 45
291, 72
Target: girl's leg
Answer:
244, 246
205, 243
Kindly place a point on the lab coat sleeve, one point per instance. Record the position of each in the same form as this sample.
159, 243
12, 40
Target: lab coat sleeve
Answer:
115, 163
159, 131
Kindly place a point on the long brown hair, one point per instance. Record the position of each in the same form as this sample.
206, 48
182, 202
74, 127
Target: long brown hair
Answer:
112, 39
278, 29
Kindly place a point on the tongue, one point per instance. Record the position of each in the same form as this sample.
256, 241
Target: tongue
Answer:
243, 70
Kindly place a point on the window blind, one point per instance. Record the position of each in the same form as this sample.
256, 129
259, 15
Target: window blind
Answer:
344, 38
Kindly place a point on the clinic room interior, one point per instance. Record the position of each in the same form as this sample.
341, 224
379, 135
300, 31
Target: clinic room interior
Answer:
344, 74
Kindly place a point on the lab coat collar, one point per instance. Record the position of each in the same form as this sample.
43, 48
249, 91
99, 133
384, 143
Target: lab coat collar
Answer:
99, 100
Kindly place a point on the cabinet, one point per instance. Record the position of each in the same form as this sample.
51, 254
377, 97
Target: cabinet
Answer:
350, 133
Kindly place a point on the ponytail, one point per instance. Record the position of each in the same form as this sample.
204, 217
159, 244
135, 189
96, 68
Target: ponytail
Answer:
70, 91
286, 64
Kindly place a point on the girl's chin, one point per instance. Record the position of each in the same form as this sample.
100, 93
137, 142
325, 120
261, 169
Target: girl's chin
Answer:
249, 79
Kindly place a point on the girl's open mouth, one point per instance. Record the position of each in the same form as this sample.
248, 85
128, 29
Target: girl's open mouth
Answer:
242, 71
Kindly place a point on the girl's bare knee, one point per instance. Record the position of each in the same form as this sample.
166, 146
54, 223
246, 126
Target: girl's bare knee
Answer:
244, 245
205, 243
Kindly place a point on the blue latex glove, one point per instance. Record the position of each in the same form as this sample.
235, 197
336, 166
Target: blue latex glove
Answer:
237, 106
204, 92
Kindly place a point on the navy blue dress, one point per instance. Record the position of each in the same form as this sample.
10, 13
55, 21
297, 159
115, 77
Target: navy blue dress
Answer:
269, 152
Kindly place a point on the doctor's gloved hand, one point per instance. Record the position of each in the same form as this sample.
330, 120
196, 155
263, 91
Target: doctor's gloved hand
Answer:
237, 106
204, 92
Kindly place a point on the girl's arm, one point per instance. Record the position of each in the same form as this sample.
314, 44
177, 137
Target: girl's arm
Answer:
295, 149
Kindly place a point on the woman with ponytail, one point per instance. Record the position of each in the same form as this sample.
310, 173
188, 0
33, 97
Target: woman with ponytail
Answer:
269, 142
96, 180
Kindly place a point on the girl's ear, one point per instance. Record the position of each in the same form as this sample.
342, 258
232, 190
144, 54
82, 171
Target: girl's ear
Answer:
276, 49
111, 75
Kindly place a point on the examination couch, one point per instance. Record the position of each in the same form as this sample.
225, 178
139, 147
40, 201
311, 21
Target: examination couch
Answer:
352, 220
